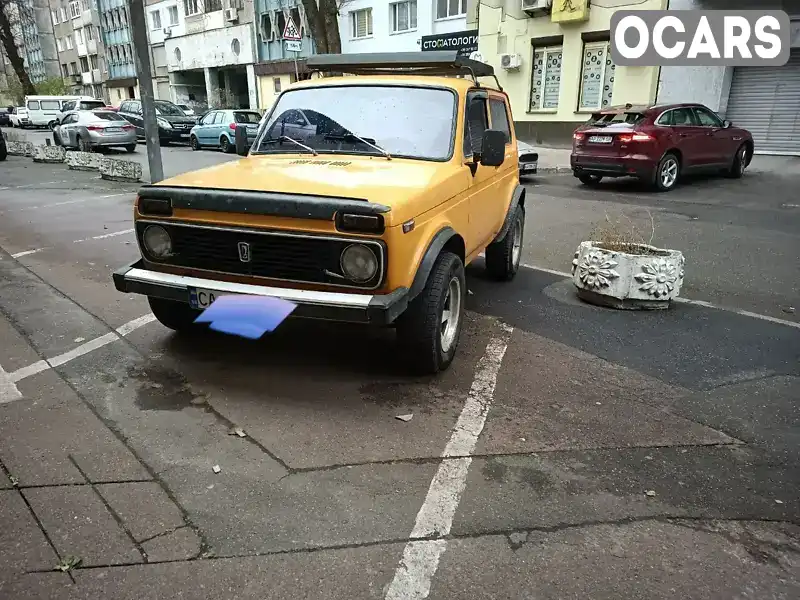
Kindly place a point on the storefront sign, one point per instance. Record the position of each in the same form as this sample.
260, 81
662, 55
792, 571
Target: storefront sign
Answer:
465, 42
569, 11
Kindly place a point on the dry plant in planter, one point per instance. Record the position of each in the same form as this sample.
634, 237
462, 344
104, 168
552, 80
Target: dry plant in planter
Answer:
621, 269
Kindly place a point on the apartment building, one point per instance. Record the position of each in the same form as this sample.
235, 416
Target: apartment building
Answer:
33, 36
119, 69
80, 49
209, 52
278, 66
165, 20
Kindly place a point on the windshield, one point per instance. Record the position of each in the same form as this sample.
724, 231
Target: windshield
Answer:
247, 117
92, 104
169, 109
108, 116
603, 120
410, 122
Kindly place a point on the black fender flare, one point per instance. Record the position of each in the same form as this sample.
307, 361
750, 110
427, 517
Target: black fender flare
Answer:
517, 199
425, 267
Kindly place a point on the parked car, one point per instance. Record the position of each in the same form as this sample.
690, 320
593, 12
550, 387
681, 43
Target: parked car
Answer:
369, 218
80, 104
218, 129
3, 148
658, 144
87, 130
528, 159
173, 124
5, 117
19, 117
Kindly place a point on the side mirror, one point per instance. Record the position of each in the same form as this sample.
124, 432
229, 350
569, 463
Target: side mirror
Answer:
727, 124
242, 147
493, 148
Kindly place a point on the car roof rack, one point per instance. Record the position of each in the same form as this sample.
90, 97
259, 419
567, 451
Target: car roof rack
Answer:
436, 62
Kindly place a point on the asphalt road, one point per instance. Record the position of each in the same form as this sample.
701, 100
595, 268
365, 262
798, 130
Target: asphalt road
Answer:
569, 452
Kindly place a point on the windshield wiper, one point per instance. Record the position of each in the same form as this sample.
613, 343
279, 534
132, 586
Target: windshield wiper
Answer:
347, 136
286, 138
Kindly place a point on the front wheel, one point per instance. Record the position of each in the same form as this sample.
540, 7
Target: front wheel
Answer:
667, 173
194, 143
503, 256
739, 163
225, 144
178, 316
429, 330
51, 125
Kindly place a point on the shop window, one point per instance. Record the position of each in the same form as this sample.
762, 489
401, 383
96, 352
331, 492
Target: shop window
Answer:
546, 78
597, 76
361, 23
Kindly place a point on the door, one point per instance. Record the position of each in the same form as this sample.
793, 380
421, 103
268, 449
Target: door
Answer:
506, 175
687, 136
205, 125
719, 144
67, 130
221, 122
482, 192
138, 119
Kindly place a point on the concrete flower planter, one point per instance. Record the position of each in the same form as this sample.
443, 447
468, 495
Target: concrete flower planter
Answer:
15, 148
116, 169
83, 161
641, 277
49, 154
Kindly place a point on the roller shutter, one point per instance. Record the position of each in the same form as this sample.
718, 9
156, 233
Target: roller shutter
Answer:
766, 100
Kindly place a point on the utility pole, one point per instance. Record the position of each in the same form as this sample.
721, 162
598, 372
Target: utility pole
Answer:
141, 47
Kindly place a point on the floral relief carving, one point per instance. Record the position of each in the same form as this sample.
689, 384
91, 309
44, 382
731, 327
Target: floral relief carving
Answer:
596, 270
658, 278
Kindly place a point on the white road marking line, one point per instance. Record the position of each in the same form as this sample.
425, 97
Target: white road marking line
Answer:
412, 579
104, 236
83, 349
27, 252
8, 388
703, 303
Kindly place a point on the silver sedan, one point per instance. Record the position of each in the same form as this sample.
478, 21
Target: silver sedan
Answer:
90, 129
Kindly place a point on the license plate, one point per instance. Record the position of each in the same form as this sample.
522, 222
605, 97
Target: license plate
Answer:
201, 298
186, 135
529, 167
113, 129
600, 139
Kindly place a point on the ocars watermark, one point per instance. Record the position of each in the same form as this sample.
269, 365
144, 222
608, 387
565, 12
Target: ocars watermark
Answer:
700, 37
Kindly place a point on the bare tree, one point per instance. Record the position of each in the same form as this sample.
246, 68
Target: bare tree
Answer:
323, 19
13, 15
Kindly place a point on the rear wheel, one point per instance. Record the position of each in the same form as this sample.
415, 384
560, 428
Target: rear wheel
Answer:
739, 163
130, 148
589, 179
667, 173
178, 316
503, 256
429, 330
83, 145
225, 144
194, 143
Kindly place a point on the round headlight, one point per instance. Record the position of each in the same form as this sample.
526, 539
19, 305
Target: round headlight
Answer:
157, 241
359, 263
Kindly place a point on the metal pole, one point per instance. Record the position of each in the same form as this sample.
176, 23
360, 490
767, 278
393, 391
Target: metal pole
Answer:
142, 49
296, 71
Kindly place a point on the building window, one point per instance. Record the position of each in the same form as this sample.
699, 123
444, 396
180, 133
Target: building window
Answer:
59, 44
446, 9
89, 33
404, 16
64, 71
93, 61
155, 18
123, 17
298, 20
280, 23
361, 23
276, 84
74, 9
54, 15
86, 5
68, 41
191, 7
545, 78
73, 68
172, 11
597, 76
63, 14
79, 37
84, 64
266, 28
212, 5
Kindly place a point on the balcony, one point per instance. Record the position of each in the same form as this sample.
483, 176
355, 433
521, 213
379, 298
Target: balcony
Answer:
90, 77
89, 17
74, 78
91, 46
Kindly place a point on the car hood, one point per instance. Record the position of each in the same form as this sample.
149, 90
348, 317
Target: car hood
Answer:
409, 187
174, 119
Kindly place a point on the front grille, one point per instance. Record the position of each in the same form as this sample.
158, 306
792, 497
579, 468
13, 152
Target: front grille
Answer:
272, 255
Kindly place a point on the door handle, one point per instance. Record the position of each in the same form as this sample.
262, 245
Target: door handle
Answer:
683, 134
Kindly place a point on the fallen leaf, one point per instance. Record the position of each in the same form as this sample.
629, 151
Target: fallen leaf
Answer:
405, 418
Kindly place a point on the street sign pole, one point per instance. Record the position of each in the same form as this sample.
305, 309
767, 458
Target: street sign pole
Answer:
142, 49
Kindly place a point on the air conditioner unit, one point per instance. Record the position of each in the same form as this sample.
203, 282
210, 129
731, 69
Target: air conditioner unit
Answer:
231, 14
167, 32
510, 61
537, 8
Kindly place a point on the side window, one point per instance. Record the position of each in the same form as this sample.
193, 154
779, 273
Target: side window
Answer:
68, 106
33, 105
137, 108
706, 118
124, 107
208, 119
665, 118
476, 122
499, 115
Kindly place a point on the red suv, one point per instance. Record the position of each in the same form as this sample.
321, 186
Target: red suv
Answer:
658, 144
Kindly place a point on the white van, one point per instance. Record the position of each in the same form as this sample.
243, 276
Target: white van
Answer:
44, 111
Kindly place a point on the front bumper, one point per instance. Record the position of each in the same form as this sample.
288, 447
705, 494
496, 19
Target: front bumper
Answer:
379, 309
174, 135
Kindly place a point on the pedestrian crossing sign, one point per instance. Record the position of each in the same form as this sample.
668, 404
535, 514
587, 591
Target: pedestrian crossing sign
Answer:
291, 32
